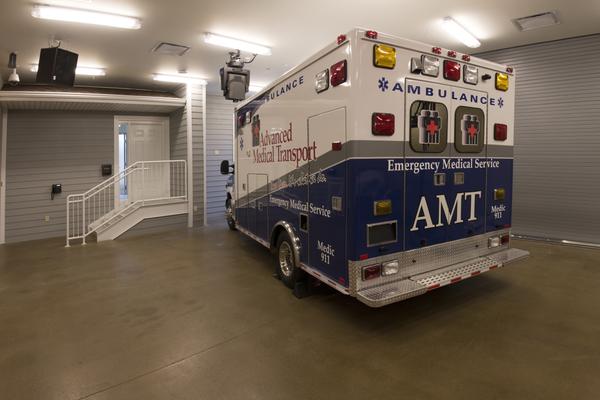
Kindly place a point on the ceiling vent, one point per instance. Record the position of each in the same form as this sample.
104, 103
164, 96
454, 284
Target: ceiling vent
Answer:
537, 21
170, 49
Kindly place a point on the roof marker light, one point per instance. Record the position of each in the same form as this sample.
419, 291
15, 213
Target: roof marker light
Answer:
452, 53
341, 39
436, 50
466, 57
371, 34
460, 33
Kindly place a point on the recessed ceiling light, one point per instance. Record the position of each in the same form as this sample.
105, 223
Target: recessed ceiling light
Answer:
85, 17
180, 78
536, 21
236, 44
460, 33
87, 71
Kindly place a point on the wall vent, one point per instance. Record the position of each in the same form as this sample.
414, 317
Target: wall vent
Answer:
170, 49
536, 21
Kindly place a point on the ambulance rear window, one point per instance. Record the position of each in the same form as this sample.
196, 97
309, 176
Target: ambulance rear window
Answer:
469, 129
428, 126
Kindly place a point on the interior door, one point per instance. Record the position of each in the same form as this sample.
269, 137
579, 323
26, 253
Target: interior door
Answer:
148, 141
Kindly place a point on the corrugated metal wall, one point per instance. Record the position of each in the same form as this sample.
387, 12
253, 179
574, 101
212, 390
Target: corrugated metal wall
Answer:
67, 148
197, 108
45, 148
219, 131
557, 128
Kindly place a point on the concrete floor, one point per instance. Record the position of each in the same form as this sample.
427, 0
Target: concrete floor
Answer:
198, 316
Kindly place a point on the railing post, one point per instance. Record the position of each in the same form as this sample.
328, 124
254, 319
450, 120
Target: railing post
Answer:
83, 219
68, 224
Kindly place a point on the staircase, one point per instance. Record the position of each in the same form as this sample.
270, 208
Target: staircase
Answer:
154, 189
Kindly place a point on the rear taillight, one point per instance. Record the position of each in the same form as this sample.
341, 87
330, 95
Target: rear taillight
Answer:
500, 132
505, 239
371, 272
338, 73
382, 124
451, 70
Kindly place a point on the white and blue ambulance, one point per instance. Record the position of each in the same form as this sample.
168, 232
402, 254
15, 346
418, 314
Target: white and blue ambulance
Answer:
381, 166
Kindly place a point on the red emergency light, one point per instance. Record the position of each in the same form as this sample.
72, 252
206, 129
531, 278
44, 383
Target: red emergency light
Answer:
500, 132
451, 70
337, 72
383, 124
371, 34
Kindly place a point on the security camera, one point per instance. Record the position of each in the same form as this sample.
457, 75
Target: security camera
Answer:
13, 79
235, 80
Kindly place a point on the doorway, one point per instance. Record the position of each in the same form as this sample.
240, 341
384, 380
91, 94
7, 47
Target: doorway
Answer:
142, 138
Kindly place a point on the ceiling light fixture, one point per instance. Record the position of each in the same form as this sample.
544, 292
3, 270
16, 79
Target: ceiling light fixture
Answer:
181, 78
85, 17
87, 71
236, 44
254, 88
460, 33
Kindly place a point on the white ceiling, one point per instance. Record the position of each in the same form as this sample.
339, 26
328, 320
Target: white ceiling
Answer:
294, 30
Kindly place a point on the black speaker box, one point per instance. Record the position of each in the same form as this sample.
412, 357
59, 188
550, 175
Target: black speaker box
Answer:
57, 67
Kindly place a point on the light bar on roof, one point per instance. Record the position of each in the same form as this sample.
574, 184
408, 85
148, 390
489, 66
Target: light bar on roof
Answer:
87, 71
460, 33
85, 17
236, 44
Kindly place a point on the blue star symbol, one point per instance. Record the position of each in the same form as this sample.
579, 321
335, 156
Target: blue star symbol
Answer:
383, 84
500, 102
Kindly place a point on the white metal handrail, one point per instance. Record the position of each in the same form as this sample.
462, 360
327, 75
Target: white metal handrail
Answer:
147, 181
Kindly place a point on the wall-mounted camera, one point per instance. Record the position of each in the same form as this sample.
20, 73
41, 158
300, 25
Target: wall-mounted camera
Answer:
13, 78
235, 80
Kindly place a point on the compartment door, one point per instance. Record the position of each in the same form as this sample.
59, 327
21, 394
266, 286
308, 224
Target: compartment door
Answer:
327, 195
257, 210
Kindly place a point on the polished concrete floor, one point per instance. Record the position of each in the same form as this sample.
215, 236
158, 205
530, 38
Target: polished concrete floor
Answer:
197, 315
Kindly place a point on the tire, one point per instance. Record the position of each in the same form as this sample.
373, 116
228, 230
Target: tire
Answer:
285, 262
229, 213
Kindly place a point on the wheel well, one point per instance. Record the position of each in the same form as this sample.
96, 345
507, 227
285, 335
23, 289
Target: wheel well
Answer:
275, 235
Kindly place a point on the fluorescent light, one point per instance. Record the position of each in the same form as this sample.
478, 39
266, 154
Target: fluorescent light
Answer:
237, 44
460, 33
88, 71
179, 79
255, 88
85, 17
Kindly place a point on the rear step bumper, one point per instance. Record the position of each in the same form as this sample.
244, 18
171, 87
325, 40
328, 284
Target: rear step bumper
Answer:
382, 295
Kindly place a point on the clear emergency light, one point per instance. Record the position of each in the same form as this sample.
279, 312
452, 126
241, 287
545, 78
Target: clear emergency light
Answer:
470, 74
322, 81
431, 65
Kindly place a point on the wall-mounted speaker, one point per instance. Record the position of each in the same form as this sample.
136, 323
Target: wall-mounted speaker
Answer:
57, 67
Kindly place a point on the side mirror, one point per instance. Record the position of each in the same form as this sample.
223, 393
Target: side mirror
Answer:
225, 167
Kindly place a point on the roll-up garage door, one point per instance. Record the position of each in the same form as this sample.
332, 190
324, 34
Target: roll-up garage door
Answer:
557, 144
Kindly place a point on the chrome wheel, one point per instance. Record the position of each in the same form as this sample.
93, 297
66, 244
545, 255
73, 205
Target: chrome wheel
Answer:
286, 262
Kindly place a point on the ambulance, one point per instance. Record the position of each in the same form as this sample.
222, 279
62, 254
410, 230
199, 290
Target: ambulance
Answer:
380, 166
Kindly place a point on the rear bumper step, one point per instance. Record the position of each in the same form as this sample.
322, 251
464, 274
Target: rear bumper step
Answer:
416, 285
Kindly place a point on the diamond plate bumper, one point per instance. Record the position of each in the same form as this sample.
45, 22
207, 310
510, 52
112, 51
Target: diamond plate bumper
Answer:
387, 293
